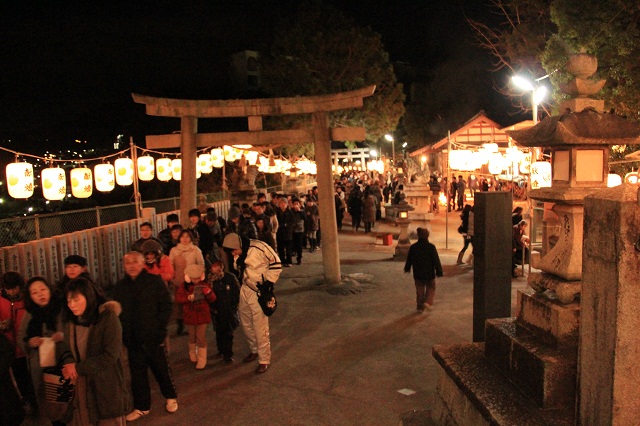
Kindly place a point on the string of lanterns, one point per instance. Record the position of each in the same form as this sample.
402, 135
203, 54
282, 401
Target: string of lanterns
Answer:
513, 159
21, 180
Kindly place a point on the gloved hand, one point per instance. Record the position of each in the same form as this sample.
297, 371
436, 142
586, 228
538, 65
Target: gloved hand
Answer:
206, 291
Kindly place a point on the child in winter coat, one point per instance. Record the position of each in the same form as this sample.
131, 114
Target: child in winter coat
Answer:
195, 295
225, 309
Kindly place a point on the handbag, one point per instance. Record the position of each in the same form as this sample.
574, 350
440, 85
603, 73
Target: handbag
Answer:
266, 297
58, 394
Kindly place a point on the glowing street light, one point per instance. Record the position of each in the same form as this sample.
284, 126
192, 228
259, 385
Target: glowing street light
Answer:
537, 93
390, 138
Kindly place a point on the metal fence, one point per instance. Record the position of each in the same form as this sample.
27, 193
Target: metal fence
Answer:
29, 228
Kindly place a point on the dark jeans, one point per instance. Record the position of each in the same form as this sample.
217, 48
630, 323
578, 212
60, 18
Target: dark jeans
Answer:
155, 358
224, 338
425, 293
298, 242
339, 217
285, 251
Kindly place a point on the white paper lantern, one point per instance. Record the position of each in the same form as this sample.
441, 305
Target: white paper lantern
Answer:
525, 164
20, 180
613, 180
81, 182
163, 167
54, 183
252, 157
217, 157
490, 147
124, 171
631, 178
105, 179
146, 169
204, 163
497, 163
540, 175
176, 168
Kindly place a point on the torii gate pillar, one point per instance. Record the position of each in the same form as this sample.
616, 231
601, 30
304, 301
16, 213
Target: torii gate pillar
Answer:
188, 181
330, 249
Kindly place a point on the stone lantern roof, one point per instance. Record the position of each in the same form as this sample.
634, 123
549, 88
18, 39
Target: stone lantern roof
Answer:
588, 127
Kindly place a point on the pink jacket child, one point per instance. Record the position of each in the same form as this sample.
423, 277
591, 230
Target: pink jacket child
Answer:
195, 295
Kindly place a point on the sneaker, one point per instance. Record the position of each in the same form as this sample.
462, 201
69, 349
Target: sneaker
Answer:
172, 405
136, 414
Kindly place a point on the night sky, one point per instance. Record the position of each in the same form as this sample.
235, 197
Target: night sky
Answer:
67, 70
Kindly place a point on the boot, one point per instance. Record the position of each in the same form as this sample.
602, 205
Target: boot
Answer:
313, 245
459, 261
193, 350
202, 358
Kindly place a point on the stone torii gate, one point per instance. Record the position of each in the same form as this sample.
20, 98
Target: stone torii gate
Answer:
254, 109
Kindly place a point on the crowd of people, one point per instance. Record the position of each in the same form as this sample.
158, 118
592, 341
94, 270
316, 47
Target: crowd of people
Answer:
206, 272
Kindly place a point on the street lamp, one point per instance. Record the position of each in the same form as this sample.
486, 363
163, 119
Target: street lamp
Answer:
390, 138
537, 93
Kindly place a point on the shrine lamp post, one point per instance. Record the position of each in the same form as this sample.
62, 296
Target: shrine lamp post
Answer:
537, 93
390, 138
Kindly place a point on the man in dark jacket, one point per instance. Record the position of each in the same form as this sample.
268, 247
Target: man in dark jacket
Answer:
146, 308
165, 235
284, 236
423, 258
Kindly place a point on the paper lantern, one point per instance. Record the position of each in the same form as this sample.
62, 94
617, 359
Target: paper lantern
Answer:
54, 183
540, 175
497, 163
631, 178
20, 180
105, 179
124, 171
252, 157
163, 169
81, 182
525, 164
204, 163
490, 147
229, 154
217, 157
176, 168
613, 180
146, 169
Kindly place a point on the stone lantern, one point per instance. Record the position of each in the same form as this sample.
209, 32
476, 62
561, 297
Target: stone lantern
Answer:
402, 248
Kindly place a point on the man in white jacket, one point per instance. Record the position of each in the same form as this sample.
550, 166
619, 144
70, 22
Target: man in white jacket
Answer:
257, 261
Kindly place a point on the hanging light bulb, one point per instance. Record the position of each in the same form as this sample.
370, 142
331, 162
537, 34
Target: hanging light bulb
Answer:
146, 169
81, 182
54, 183
124, 171
105, 179
20, 180
176, 168
163, 167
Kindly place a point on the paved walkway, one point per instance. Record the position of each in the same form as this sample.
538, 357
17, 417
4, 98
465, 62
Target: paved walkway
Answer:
337, 360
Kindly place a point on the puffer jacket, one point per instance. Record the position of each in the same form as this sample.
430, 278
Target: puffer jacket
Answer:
259, 261
195, 312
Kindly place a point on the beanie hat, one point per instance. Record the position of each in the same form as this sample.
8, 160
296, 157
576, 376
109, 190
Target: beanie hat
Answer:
232, 241
75, 259
195, 272
234, 212
151, 245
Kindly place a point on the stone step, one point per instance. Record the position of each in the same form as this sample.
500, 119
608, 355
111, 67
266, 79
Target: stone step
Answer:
556, 324
473, 392
544, 373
